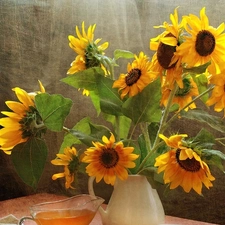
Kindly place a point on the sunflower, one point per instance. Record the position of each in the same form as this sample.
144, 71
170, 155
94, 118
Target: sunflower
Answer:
204, 44
138, 76
218, 93
88, 50
70, 161
183, 96
165, 61
109, 160
18, 123
183, 167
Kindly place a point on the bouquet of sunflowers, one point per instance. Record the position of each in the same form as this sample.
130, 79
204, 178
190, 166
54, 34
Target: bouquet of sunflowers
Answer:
184, 77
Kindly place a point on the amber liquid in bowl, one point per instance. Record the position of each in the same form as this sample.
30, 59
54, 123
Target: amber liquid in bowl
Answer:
65, 217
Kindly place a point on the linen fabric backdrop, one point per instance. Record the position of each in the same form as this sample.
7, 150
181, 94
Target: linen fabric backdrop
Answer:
34, 45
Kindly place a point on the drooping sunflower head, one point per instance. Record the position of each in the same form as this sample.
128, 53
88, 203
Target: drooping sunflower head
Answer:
109, 160
183, 96
203, 44
21, 122
166, 43
70, 160
165, 54
88, 50
182, 166
138, 76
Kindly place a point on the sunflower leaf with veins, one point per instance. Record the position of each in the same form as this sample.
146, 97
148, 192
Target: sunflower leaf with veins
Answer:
145, 106
202, 116
197, 69
29, 160
55, 113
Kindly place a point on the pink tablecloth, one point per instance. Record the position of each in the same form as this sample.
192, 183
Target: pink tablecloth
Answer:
19, 207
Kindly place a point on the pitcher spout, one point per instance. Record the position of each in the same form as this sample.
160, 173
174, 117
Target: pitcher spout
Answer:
94, 203
97, 201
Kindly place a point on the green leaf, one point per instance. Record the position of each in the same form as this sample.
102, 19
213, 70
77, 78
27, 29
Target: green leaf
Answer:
98, 131
104, 97
144, 107
95, 133
123, 127
202, 84
110, 101
204, 139
213, 157
29, 160
202, 116
153, 154
53, 110
197, 70
118, 53
153, 130
84, 79
70, 140
142, 144
96, 101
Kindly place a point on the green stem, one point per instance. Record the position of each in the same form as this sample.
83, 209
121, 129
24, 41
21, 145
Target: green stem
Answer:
144, 129
112, 72
195, 99
220, 139
221, 143
117, 127
108, 64
165, 114
38, 126
161, 129
141, 167
132, 132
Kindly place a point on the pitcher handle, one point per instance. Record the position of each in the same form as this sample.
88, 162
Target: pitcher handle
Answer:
21, 221
92, 192
90, 186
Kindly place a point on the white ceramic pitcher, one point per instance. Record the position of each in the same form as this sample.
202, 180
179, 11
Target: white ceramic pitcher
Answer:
133, 202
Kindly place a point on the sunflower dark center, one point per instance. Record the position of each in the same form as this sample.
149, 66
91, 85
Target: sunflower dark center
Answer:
205, 43
165, 54
186, 88
132, 77
191, 165
109, 158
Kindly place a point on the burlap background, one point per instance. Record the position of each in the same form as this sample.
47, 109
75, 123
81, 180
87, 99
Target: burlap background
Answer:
34, 45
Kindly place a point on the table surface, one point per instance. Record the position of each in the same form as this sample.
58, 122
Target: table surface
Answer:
19, 207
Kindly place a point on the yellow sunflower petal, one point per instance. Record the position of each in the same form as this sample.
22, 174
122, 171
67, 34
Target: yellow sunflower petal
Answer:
23, 97
57, 175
